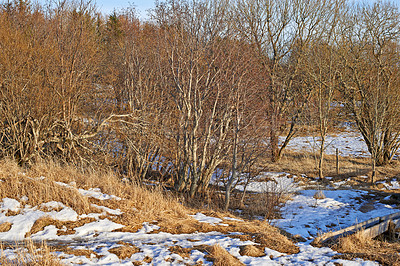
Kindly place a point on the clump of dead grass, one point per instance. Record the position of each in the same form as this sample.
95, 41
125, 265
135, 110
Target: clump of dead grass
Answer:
124, 251
220, 257
183, 252
77, 252
359, 245
252, 251
319, 195
139, 203
64, 227
5, 227
30, 254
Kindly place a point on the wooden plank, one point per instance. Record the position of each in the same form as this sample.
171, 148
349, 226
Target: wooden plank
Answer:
376, 230
346, 231
381, 228
375, 222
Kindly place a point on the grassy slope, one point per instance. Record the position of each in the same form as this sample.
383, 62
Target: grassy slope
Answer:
138, 204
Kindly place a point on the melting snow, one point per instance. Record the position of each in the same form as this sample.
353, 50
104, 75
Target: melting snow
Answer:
10, 205
308, 216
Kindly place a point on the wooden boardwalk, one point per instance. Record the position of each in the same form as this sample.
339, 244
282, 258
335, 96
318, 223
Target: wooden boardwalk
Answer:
371, 228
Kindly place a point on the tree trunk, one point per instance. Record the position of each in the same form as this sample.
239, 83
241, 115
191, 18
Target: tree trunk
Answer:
321, 158
274, 140
373, 175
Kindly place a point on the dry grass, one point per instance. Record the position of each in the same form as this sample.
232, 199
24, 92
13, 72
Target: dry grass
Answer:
139, 204
78, 252
64, 227
252, 251
5, 227
298, 163
183, 252
30, 255
258, 231
220, 257
355, 169
124, 251
38, 190
360, 246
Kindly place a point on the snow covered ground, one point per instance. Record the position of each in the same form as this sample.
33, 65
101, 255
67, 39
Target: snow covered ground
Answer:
348, 144
307, 216
302, 215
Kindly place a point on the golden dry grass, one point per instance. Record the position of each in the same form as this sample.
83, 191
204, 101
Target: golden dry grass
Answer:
220, 257
16, 184
258, 231
138, 205
30, 254
353, 170
360, 246
252, 251
298, 163
183, 252
77, 252
37, 183
124, 251
64, 227
5, 227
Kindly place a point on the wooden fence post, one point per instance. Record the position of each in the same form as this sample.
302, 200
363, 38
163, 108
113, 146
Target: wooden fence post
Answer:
337, 161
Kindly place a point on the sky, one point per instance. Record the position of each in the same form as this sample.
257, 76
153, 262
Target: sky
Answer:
107, 6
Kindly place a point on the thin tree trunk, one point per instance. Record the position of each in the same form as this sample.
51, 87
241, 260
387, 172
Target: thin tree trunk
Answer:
373, 175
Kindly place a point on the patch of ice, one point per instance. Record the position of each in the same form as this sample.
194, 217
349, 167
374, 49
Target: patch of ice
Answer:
276, 182
147, 228
48, 233
62, 184
340, 183
348, 144
310, 255
66, 214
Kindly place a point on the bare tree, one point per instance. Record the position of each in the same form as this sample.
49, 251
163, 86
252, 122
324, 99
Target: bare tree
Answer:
280, 31
321, 65
191, 36
131, 75
370, 78
48, 62
247, 138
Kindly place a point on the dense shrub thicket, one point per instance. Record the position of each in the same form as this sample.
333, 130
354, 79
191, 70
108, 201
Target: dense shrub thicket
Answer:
199, 86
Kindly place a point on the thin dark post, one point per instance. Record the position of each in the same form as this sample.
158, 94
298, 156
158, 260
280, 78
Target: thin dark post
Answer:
337, 161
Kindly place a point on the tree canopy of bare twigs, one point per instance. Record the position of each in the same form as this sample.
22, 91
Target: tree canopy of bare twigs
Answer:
369, 76
202, 86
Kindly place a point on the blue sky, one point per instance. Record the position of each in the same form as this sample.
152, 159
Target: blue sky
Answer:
107, 6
